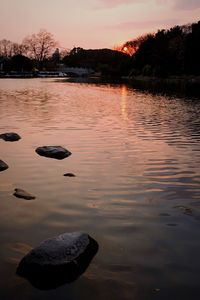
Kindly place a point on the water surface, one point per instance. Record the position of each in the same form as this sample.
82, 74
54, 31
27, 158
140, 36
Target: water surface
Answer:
136, 159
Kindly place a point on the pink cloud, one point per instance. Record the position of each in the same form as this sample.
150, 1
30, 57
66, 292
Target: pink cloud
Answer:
178, 4
114, 3
187, 5
146, 25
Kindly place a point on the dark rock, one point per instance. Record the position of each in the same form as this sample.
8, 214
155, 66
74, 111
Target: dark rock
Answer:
10, 136
186, 210
3, 166
69, 175
19, 193
156, 290
56, 152
58, 260
164, 215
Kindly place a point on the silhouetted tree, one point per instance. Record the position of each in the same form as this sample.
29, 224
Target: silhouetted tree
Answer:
5, 48
8, 48
40, 46
192, 50
56, 56
131, 47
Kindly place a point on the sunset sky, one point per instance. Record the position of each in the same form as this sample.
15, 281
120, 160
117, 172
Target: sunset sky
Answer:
93, 23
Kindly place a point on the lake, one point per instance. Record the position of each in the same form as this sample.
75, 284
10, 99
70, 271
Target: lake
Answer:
136, 157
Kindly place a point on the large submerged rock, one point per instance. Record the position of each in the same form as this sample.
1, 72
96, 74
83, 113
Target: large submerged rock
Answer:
58, 260
19, 193
3, 166
10, 136
56, 152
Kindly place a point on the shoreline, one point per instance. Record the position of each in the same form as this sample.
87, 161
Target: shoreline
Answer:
171, 79
179, 85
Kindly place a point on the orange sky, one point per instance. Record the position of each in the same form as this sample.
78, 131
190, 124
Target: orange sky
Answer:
93, 23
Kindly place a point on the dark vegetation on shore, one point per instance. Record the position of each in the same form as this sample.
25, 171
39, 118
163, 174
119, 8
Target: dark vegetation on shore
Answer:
172, 52
39, 52
105, 61
169, 52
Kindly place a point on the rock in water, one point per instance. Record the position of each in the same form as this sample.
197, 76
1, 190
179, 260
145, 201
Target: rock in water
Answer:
10, 136
3, 166
69, 175
19, 193
56, 152
58, 260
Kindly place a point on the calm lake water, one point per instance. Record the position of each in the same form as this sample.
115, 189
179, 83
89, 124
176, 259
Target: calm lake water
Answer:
136, 158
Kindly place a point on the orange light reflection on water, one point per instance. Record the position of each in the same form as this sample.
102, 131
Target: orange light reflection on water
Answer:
123, 103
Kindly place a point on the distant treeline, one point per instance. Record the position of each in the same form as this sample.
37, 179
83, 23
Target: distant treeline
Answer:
105, 61
168, 52
175, 51
39, 52
35, 52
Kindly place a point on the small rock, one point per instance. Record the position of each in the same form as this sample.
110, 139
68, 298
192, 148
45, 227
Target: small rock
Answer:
58, 260
69, 175
19, 193
156, 290
56, 152
164, 215
3, 166
186, 210
10, 136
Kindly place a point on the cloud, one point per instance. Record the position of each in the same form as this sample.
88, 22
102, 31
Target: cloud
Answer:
146, 25
114, 3
177, 4
187, 4
180, 4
